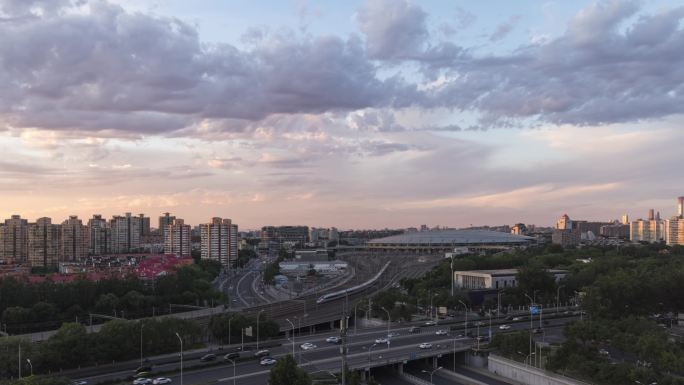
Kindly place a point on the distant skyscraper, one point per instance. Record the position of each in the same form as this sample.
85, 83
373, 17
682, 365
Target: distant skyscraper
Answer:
100, 236
144, 225
74, 240
44, 243
177, 238
625, 219
651, 215
218, 241
14, 240
680, 207
125, 233
564, 223
164, 221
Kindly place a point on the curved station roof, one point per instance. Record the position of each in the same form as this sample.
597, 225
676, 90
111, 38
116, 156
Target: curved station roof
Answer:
453, 237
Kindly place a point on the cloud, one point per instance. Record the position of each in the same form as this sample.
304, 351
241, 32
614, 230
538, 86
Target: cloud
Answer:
503, 29
394, 29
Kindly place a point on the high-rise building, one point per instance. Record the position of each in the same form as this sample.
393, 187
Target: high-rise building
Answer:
651, 230
100, 236
14, 240
177, 238
144, 225
44, 243
674, 227
218, 241
125, 233
74, 240
164, 221
674, 231
295, 235
625, 219
564, 222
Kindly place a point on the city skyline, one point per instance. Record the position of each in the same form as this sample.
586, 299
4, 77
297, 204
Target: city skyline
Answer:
367, 114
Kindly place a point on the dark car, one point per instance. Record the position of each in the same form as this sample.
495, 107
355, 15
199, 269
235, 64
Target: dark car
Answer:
144, 368
537, 330
231, 356
262, 353
414, 329
208, 357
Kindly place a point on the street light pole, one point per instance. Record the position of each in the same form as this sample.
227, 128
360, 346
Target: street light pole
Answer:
388, 326
466, 317
293, 337
432, 373
232, 362
258, 316
558, 298
369, 357
181, 353
531, 319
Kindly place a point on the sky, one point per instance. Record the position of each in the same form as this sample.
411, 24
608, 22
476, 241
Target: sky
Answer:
354, 114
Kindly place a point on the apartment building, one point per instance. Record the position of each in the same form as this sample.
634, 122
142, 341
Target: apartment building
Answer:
44, 240
219, 239
100, 236
177, 238
14, 240
74, 240
125, 233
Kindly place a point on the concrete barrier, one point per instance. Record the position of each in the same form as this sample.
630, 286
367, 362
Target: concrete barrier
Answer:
526, 374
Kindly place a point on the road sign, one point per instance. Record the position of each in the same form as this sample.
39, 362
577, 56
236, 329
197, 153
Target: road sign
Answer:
412, 356
534, 309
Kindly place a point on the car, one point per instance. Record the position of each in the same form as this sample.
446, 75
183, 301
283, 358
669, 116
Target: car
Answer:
381, 340
142, 374
262, 353
604, 352
143, 368
79, 382
142, 381
425, 345
231, 356
479, 323
441, 332
482, 338
537, 330
504, 327
430, 323
208, 357
161, 380
307, 346
267, 361
392, 334
414, 329
517, 319
333, 340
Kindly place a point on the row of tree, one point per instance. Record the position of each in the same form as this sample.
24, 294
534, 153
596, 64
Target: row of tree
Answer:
118, 340
27, 307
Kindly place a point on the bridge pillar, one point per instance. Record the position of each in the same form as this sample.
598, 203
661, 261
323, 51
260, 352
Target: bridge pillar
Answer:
435, 364
400, 368
332, 325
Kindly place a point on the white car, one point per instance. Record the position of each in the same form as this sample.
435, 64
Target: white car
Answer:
517, 318
333, 340
161, 380
441, 332
267, 361
504, 327
307, 346
142, 381
430, 323
381, 340
425, 345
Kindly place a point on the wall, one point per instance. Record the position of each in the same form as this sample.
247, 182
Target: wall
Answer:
528, 375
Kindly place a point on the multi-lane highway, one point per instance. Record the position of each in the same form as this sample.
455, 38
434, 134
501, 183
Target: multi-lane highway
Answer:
362, 352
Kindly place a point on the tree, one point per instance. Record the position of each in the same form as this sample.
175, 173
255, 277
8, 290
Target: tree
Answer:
286, 372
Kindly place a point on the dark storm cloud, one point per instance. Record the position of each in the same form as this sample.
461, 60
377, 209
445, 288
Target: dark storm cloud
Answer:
60, 69
102, 69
